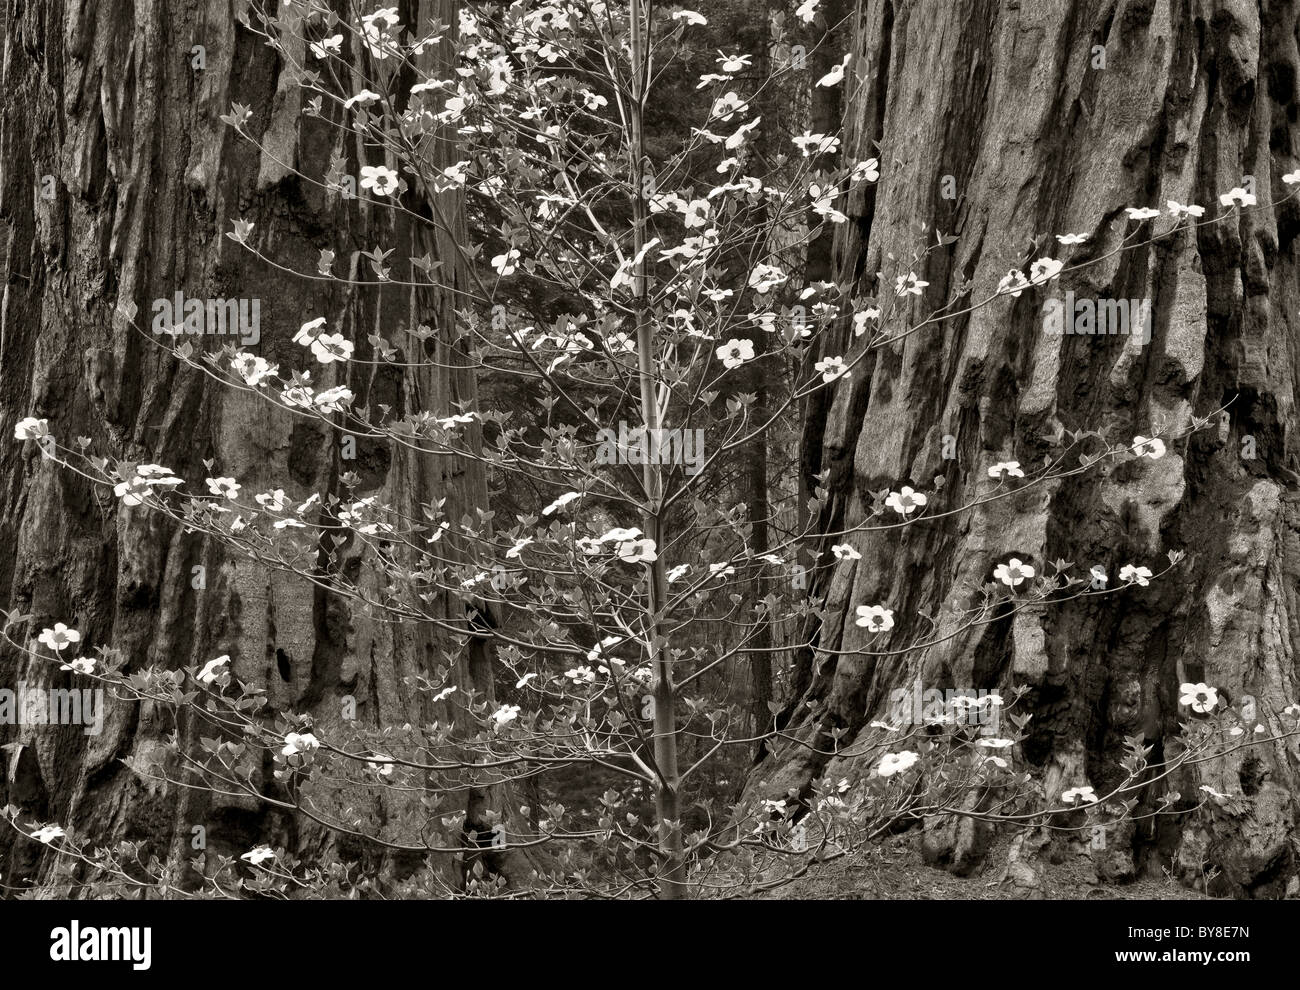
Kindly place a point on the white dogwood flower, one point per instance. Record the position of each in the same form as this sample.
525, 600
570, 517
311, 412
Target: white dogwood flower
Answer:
1009, 469
31, 428
1201, 697
905, 502
895, 763
1138, 575
875, 618
1152, 447
1013, 572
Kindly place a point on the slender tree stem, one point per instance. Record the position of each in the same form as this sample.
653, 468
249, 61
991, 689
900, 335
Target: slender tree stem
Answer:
672, 883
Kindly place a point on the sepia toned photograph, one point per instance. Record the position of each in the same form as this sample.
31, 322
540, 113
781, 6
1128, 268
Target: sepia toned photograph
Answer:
602, 451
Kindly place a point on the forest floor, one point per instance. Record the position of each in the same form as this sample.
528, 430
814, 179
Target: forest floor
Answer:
895, 870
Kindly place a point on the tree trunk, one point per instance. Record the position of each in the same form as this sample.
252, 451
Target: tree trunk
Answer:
1051, 118
147, 181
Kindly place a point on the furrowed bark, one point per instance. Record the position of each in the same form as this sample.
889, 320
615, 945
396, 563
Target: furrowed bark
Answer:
1013, 102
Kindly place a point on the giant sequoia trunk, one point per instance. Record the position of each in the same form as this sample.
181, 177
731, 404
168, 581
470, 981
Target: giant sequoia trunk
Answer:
1042, 134
104, 97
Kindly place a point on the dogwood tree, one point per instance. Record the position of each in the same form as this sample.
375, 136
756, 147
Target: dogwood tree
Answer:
618, 283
